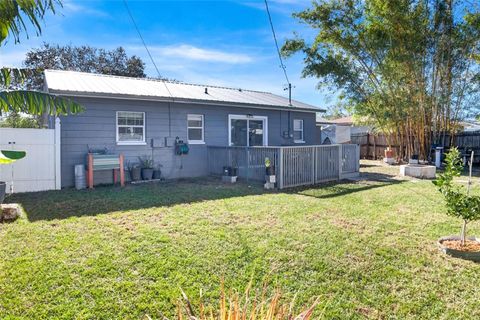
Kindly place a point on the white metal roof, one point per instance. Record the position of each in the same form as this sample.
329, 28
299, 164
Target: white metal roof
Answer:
89, 84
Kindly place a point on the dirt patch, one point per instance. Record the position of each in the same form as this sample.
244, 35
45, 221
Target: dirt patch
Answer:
347, 224
470, 245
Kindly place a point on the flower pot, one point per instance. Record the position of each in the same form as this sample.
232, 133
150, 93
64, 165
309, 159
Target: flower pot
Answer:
389, 153
147, 173
3, 187
270, 171
157, 174
466, 255
136, 174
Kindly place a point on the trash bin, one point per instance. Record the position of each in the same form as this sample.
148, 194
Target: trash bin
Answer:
80, 179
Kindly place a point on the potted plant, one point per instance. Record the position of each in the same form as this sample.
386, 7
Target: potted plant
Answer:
135, 171
269, 168
146, 164
157, 172
461, 204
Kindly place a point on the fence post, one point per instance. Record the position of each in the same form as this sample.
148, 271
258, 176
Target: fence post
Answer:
312, 149
357, 158
280, 167
340, 161
247, 163
57, 141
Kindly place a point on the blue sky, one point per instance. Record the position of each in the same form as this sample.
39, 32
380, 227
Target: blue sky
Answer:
227, 43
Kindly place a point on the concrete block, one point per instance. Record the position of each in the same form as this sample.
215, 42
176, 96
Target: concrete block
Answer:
418, 171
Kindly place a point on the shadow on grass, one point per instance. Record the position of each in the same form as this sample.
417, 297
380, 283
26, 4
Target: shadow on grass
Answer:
66, 203
366, 181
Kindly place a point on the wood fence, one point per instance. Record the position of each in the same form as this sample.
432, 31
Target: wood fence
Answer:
295, 165
373, 146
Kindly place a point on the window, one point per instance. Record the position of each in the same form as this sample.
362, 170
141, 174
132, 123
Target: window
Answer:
298, 131
247, 131
195, 128
130, 127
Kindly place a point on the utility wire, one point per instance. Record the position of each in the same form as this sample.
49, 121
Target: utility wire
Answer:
141, 38
145, 45
276, 44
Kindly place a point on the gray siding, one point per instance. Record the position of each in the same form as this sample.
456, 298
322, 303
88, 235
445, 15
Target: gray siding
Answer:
96, 128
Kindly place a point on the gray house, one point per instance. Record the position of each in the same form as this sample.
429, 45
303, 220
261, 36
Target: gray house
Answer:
139, 117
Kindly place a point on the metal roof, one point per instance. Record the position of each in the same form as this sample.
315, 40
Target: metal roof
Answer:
89, 84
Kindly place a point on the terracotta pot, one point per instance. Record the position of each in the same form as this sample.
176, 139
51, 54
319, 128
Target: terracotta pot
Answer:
389, 153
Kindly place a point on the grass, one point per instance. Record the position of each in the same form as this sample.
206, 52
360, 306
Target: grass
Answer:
367, 249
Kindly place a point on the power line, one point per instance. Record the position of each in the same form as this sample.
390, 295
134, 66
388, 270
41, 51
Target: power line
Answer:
146, 48
141, 38
276, 45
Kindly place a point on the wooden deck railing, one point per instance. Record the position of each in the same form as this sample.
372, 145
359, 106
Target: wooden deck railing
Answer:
295, 165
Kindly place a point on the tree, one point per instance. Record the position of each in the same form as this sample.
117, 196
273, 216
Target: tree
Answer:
410, 66
460, 203
84, 59
17, 120
14, 17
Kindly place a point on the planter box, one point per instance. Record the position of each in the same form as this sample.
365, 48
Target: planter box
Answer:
472, 256
418, 171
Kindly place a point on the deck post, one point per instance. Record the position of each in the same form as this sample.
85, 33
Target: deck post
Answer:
280, 167
340, 161
313, 158
247, 163
357, 158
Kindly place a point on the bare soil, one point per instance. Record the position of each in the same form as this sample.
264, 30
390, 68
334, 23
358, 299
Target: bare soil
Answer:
470, 245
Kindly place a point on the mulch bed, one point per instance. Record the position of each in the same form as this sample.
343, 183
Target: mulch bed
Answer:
470, 245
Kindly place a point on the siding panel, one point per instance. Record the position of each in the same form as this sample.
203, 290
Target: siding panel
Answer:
96, 127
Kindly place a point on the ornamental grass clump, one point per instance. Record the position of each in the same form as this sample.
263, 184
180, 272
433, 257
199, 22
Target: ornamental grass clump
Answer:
460, 203
244, 307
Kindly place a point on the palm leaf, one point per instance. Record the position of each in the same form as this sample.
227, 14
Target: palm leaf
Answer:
35, 102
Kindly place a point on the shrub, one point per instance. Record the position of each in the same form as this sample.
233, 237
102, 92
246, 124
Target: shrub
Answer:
458, 200
246, 307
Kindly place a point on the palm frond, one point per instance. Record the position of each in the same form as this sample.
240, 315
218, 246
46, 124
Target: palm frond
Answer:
35, 102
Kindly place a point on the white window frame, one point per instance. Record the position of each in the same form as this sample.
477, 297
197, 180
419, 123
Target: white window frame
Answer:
130, 143
302, 131
202, 127
248, 117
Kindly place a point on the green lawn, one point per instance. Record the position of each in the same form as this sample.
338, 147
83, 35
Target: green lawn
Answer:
367, 248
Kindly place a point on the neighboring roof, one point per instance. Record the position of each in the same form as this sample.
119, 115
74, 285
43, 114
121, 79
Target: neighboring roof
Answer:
345, 121
88, 84
322, 120
470, 126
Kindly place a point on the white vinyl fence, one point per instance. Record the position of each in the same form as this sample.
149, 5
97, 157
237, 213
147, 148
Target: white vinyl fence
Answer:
40, 169
295, 165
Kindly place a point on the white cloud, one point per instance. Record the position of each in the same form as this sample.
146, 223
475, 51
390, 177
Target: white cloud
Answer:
190, 52
12, 58
77, 8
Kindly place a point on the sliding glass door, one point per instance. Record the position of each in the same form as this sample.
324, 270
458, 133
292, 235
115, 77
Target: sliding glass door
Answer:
247, 131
